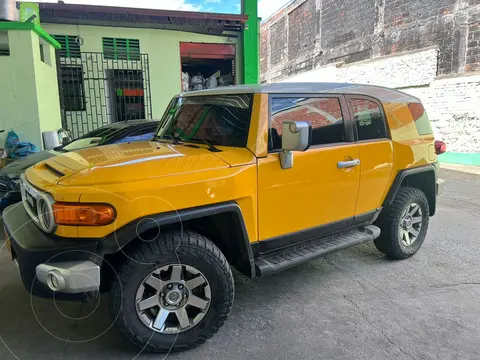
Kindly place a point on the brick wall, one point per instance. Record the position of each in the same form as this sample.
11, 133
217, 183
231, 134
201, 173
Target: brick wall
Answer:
302, 29
416, 68
473, 43
339, 38
416, 24
307, 34
278, 52
453, 105
264, 48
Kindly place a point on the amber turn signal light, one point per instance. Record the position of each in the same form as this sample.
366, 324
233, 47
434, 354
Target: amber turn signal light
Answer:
83, 214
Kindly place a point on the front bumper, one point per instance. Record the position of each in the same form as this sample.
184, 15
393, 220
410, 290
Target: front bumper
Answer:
74, 262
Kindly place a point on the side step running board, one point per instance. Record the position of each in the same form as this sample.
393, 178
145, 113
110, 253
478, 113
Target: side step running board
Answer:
290, 256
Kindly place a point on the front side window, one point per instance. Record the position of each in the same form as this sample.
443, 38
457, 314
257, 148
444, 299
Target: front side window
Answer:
369, 119
217, 119
324, 114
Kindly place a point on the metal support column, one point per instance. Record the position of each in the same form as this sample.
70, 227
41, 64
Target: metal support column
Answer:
251, 43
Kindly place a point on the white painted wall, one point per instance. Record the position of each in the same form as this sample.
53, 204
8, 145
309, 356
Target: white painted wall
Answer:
452, 103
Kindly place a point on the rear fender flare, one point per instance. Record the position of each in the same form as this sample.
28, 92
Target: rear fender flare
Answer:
402, 177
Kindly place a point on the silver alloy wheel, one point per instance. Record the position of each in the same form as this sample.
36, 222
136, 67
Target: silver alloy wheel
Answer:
410, 224
173, 299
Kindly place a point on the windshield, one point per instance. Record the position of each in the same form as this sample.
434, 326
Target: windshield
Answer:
93, 138
217, 119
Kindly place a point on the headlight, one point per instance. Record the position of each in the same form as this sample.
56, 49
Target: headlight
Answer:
38, 205
45, 215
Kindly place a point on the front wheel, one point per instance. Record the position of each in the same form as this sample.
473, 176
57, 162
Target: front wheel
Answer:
173, 294
403, 224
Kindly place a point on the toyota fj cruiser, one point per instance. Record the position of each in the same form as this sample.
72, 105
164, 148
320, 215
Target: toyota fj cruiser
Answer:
261, 178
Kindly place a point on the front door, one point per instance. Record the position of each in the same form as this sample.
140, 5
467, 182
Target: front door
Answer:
316, 195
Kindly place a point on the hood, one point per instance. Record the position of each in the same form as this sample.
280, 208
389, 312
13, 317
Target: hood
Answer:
19, 166
129, 162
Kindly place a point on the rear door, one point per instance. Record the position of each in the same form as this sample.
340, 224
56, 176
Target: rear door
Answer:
315, 196
376, 154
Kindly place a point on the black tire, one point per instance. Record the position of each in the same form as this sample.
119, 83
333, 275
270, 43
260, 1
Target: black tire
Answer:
187, 248
389, 221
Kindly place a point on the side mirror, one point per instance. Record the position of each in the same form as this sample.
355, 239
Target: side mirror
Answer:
296, 136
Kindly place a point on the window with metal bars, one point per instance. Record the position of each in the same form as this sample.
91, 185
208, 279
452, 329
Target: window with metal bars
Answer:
70, 46
121, 49
72, 92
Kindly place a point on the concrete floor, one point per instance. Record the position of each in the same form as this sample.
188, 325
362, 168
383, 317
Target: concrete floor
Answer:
354, 304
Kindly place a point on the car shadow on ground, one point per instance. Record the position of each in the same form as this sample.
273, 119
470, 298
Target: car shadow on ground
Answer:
31, 326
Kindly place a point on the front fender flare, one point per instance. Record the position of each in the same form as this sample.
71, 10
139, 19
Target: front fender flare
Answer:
123, 236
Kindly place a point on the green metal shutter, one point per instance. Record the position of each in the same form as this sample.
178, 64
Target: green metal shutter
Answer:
121, 49
133, 49
70, 46
109, 48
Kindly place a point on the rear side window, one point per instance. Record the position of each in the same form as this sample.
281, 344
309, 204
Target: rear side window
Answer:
419, 115
369, 119
325, 115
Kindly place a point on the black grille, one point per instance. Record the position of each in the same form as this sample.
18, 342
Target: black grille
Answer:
31, 202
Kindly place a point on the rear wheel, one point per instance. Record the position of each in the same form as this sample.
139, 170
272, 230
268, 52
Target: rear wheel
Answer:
404, 224
174, 294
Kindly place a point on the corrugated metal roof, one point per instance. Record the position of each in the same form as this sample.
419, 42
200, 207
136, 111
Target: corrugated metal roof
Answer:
381, 93
195, 22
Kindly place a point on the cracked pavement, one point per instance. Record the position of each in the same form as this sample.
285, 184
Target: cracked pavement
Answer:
354, 304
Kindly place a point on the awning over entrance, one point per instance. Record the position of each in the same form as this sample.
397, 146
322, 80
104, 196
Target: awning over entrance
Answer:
207, 51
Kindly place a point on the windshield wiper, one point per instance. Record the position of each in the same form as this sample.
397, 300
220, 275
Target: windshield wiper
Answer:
211, 147
175, 141
173, 138
60, 149
170, 137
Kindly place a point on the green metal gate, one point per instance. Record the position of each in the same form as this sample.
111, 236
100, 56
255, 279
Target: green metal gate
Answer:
96, 89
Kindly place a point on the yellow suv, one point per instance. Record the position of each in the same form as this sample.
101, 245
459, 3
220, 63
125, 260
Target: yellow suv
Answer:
261, 178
